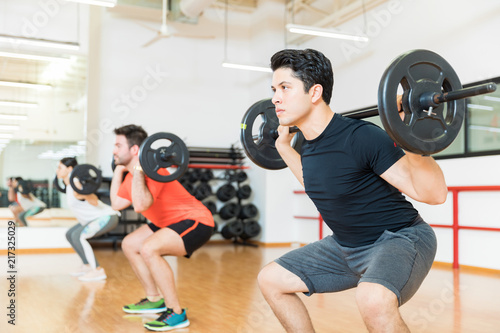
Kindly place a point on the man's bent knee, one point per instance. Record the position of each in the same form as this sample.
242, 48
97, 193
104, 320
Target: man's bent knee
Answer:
374, 298
148, 251
274, 277
129, 244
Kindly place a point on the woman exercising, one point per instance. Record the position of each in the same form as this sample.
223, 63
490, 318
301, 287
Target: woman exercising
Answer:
94, 217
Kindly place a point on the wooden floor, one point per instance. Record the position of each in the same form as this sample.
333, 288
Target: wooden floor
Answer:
218, 286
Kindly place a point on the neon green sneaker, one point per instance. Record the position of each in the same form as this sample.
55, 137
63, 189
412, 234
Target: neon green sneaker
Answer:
145, 306
169, 320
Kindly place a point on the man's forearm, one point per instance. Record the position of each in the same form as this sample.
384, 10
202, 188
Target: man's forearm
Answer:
141, 197
427, 177
292, 160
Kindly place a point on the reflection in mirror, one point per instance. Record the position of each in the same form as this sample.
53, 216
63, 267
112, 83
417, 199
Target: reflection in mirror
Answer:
33, 139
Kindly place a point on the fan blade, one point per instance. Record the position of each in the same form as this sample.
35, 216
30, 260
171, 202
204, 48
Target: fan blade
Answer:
154, 40
147, 27
193, 36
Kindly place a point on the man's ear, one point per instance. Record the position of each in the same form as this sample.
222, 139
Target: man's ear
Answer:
134, 150
316, 93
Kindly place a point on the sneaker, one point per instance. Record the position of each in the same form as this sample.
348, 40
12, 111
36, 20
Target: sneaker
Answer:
169, 320
146, 306
94, 275
82, 270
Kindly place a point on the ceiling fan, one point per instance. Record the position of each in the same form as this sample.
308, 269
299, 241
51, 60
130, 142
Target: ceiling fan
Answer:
164, 31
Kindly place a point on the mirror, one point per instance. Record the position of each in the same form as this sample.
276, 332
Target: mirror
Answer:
43, 92
56, 129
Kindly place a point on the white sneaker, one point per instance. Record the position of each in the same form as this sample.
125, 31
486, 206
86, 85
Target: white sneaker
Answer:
94, 275
82, 270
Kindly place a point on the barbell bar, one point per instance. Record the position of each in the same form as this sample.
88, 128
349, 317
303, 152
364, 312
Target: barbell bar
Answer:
429, 83
427, 101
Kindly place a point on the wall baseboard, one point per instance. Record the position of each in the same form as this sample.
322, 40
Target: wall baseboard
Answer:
40, 251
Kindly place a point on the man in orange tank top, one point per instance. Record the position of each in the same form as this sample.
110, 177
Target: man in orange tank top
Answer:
178, 224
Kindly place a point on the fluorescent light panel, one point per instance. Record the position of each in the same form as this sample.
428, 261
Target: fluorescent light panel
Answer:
19, 104
28, 56
9, 127
25, 85
96, 2
321, 32
247, 67
13, 116
39, 42
4, 140
480, 107
485, 128
6, 135
491, 98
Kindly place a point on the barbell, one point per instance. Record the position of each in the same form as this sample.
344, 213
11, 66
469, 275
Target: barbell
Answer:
152, 161
433, 102
84, 179
172, 152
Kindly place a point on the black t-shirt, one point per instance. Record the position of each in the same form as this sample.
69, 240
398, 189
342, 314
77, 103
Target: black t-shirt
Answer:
341, 170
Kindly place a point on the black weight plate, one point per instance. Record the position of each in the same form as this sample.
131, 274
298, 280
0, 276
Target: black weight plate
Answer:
230, 210
250, 229
263, 150
244, 192
153, 160
248, 211
58, 186
212, 207
226, 192
419, 72
88, 176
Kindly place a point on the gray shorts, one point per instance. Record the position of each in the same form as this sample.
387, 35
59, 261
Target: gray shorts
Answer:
399, 261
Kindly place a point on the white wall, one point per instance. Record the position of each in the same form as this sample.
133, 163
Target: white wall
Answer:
203, 103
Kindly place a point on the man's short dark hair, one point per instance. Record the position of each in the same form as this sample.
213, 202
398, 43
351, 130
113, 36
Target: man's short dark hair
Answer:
69, 161
309, 66
135, 134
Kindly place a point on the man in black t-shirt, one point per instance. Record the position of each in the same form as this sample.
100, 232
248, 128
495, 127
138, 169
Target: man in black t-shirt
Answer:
355, 175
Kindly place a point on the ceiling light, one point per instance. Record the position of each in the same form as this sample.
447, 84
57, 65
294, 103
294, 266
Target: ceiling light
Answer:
233, 65
6, 135
247, 67
321, 32
4, 140
103, 3
13, 116
19, 104
25, 85
485, 128
39, 42
480, 107
491, 98
9, 127
28, 56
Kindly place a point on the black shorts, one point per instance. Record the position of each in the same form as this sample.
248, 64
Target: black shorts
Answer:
194, 234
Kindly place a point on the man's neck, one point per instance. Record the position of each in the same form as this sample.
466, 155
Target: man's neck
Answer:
317, 122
